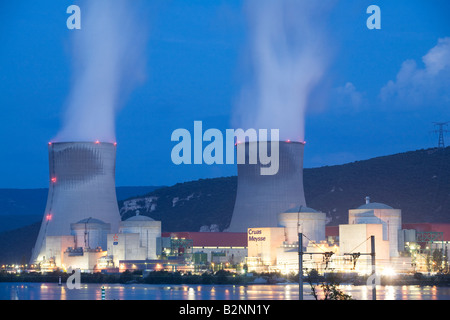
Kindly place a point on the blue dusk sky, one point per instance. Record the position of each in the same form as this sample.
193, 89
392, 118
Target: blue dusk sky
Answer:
378, 93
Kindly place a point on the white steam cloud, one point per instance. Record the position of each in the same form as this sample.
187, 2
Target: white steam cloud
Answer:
288, 55
108, 62
418, 85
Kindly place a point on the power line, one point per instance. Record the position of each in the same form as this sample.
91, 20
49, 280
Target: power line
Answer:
351, 251
314, 243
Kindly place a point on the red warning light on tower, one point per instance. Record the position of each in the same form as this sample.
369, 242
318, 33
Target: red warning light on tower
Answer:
53, 179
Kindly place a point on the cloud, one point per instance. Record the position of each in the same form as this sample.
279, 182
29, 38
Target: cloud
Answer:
347, 97
417, 86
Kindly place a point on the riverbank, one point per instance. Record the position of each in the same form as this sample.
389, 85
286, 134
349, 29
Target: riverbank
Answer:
223, 277
156, 277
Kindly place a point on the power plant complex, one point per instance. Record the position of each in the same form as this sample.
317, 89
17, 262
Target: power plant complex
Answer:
82, 227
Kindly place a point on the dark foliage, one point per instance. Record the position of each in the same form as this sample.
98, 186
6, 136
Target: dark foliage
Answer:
198, 203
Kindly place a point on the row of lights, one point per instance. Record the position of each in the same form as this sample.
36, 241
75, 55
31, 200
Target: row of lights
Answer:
287, 141
96, 142
238, 142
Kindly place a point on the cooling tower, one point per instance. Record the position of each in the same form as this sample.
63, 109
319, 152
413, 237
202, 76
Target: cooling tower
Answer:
260, 198
82, 185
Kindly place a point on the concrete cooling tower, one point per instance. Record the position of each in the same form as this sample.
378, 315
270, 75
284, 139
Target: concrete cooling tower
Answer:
82, 186
260, 198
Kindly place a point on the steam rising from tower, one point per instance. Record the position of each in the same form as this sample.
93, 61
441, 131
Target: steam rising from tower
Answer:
108, 62
286, 57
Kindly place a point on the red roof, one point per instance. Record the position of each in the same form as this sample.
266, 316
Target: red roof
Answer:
332, 231
212, 239
430, 227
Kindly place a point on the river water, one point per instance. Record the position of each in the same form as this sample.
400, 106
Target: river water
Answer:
52, 291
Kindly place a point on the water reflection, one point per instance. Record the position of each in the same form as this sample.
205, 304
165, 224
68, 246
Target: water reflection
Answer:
63, 293
287, 292
191, 293
364, 293
243, 293
404, 291
389, 293
434, 293
50, 291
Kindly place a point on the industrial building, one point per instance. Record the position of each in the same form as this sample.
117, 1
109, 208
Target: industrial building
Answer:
91, 247
276, 248
346, 248
303, 220
379, 213
215, 250
139, 238
81, 249
174, 251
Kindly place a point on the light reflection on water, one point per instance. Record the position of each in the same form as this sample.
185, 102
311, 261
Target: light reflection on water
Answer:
52, 291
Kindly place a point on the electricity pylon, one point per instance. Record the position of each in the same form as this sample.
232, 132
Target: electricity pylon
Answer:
440, 131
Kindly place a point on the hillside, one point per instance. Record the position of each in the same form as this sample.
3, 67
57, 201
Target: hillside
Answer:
417, 182
16, 245
187, 206
22, 207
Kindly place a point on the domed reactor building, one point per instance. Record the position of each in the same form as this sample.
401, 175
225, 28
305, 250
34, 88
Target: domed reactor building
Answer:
260, 198
82, 186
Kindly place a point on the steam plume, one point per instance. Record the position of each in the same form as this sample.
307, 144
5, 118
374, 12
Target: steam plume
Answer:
108, 62
287, 55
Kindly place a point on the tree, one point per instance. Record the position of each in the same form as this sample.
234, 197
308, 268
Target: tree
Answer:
313, 280
445, 259
428, 262
328, 284
437, 260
